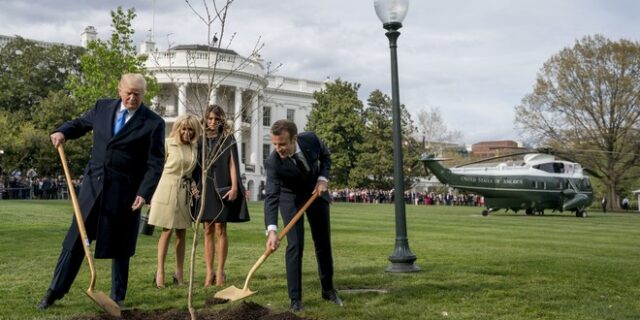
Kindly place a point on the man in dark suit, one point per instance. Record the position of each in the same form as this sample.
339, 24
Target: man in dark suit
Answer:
126, 163
298, 167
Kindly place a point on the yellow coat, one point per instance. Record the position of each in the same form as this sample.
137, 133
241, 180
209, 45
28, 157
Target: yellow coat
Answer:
169, 205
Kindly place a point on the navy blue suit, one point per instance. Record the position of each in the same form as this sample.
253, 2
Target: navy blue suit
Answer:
122, 166
287, 189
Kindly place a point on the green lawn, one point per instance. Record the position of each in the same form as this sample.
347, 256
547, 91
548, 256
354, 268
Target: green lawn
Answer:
504, 266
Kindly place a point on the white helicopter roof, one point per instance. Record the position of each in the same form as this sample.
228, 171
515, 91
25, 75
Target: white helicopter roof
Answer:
538, 157
538, 162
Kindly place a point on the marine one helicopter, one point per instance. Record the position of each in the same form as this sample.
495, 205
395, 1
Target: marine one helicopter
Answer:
537, 183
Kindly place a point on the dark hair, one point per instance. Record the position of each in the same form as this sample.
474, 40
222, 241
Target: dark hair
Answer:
220, 115
284, 125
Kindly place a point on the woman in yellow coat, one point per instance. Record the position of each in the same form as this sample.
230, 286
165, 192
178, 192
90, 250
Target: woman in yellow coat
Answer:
170, 202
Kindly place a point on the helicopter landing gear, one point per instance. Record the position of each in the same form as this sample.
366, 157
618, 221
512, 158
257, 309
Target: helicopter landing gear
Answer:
581, 213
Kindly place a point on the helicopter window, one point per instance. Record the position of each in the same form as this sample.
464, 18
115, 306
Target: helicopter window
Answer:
551, 167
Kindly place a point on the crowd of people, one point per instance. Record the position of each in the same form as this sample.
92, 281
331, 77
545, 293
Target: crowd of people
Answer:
41, 188
359, 195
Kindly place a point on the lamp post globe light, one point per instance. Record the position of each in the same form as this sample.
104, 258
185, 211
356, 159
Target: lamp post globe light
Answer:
391, 13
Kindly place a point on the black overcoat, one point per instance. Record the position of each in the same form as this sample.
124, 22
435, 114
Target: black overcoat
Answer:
218, 178
121, 167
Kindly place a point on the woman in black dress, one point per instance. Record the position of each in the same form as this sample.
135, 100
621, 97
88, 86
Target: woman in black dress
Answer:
225, 200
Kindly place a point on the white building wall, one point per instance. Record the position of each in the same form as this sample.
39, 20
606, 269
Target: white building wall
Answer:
241, 84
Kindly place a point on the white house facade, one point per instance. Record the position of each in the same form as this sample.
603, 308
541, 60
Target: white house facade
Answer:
190, 77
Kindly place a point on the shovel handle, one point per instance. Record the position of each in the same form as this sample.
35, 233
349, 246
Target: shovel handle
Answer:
268, 251
297, 216
293, 222
78, 215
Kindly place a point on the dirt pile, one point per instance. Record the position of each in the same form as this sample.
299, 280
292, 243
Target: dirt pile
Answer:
245, 311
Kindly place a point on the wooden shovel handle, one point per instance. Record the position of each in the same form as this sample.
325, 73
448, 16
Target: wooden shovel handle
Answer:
268, 250
79, 218
293, 221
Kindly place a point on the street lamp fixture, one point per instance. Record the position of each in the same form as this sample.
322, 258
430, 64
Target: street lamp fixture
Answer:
391, 13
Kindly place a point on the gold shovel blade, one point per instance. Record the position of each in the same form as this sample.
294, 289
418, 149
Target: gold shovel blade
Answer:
233, 293
106, 303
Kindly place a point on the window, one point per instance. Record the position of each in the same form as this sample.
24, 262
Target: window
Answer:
243, 159
291, 115
266, 117
551, 167
266, 150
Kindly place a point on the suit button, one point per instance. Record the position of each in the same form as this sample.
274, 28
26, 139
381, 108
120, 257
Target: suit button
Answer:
99, 178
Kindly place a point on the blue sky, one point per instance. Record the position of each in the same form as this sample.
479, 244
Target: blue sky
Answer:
474, 60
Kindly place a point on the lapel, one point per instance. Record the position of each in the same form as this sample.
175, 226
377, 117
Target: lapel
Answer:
306, 152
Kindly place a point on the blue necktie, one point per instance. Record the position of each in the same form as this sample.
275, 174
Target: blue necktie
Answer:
121, 119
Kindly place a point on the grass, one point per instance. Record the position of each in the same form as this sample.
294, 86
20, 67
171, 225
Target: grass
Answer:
504, 266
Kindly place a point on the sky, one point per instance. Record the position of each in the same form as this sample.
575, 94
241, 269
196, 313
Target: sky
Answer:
473, 60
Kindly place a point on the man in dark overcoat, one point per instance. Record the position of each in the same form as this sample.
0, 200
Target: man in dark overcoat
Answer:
298, 167
125, 166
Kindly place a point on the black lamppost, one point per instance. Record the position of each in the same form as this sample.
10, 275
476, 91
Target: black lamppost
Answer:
391, 13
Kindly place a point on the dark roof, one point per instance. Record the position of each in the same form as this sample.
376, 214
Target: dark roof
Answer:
202, 47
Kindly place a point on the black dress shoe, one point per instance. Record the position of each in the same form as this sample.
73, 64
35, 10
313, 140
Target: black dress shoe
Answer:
332, 296
49, 298
296, 305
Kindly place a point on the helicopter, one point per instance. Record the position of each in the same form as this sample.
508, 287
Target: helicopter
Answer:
538, 182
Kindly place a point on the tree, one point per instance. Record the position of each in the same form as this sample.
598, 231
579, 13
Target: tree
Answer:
103, 63
337, 119
57, 108
434, 129
375, 160
588, 98
29, 71
375, 153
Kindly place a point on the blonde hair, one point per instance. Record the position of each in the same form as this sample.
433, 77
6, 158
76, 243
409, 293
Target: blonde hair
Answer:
189, 121
133, 80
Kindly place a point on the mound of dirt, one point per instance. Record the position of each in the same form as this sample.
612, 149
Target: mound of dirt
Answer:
245, 311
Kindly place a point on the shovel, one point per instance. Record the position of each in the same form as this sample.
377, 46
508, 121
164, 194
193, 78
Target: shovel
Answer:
233, 293
100, 298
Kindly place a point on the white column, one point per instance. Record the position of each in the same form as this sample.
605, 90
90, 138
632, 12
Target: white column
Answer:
182, 99
237, 122
213, 95
255, 131
256, 143
257, 115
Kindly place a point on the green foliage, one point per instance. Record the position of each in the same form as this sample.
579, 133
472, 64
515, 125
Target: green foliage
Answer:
104, 63
588, 98
375, 152
501, 267
29, 71
337, 119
